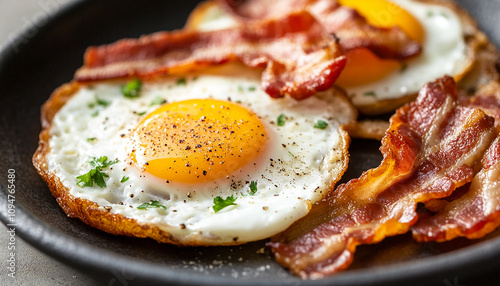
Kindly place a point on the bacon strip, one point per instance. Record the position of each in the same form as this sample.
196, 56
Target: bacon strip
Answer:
487, 98
429, 151
474, 214
299, 56
348, 25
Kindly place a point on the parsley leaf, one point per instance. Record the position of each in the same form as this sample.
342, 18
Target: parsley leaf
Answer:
142, 113
95, 175
281, 119
370, 93
124, 179
102, 102
91, 139
132, 88
403, 68
220, 203
253, 187
102, 162
252, 88
152, 204
320, 124
158, 101
180, 81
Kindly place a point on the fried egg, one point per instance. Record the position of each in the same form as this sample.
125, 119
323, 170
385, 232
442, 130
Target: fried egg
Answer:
376, 85
437, 27
208, 158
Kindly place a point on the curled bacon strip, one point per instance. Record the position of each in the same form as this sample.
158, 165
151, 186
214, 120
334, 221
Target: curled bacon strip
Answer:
348, 25
475, 213
429, 151
487, 98
299, 56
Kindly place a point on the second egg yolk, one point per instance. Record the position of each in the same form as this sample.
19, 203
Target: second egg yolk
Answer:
197, 140
362, 65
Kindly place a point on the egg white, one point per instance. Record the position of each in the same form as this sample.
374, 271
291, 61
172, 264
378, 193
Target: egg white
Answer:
444, 52
296, 168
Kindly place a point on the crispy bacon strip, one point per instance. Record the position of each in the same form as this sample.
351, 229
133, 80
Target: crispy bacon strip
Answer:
487, 98
299, 56
472, 215
348, 25
429, 151
476, 212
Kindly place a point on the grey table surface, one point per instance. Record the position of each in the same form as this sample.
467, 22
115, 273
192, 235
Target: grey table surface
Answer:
35, 267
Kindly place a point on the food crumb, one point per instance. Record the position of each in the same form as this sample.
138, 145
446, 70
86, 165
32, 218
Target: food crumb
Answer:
261, 251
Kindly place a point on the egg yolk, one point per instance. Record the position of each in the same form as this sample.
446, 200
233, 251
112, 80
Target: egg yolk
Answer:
362, 65
197, 140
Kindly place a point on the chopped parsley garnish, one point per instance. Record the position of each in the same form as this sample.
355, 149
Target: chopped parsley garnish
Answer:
320, 124
152, 204
370, 93
291, 154
432, 14
91, 139
252, 88
403, 68
95, 175
132, 89
240, 88
220, 203
102, 162
124, 179
95, 113
253, 187
102, 102
158, 101
180, 81
281, 119
142, 113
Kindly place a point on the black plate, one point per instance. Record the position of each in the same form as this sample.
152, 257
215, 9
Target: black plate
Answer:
46, 56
